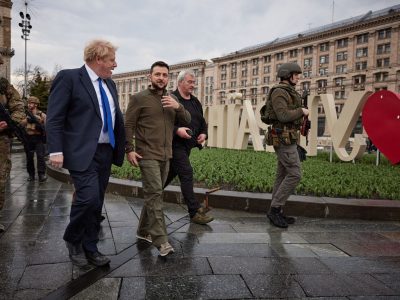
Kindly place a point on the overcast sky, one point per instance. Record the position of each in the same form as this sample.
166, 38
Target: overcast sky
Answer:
169, 30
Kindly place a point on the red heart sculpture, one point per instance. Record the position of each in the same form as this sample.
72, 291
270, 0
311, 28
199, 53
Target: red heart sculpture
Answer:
381, 120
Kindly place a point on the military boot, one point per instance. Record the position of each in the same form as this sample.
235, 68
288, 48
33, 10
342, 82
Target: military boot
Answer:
276, 218
288, 219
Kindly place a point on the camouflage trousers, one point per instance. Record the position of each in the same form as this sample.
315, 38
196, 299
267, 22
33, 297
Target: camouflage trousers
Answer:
5, 166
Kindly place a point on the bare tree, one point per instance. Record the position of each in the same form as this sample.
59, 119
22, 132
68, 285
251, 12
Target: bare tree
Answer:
31, 74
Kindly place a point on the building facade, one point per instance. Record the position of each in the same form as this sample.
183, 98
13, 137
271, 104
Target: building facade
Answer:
5, 37
360, 53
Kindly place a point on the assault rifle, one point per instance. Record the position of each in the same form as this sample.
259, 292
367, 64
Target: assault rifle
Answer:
306, 124
13, 126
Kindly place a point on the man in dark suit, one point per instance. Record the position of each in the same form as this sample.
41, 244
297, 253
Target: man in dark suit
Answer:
85, 134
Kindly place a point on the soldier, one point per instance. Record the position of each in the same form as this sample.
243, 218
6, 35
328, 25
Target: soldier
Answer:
285, 114
34, 124
11, 100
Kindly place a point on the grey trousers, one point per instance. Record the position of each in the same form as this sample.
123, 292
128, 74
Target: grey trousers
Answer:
288, 174
154, 174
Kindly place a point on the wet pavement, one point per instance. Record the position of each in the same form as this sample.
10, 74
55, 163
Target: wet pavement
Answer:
238, 256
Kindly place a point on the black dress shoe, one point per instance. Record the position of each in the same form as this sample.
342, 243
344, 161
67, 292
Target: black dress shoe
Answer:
76, 254
31, 178
42, 178
97, 259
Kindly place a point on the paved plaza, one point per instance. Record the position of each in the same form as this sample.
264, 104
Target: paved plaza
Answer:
238, 256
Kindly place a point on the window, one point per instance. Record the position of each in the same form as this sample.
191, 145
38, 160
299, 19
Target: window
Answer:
339, 81
255, 61
322, 83
206, 90
233, 74
233, 66
361, 65
233, 84
324, 47
223, 67
266, 80
384, 33
361, 52
293, 53
254, 81
341, 56
323, 71
324, 59
341, 68
223, 76
307, 62
244, 83
305, 86
254, 91
244, 64
383, 48
255, 71
243, 92
359, 79
267, 69
383, 62
244, 73
279, 56
382, 76
362, 38
307, 74
223, 85
340, 94
265, 90
267, 59
342, 43
308, 50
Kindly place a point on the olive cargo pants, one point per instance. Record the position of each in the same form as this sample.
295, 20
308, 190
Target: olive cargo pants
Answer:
288, 174
154, 174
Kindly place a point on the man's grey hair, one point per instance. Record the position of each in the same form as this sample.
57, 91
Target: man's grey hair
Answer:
183, 73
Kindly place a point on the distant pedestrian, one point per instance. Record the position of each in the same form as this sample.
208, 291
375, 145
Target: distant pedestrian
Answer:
185, 139
85, 134
150, 119
285, 111
12, 102
34, 125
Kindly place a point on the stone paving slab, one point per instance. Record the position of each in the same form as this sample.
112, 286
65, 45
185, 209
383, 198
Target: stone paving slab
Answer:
237, 256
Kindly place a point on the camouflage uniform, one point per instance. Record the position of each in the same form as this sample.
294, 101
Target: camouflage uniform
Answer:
11, 100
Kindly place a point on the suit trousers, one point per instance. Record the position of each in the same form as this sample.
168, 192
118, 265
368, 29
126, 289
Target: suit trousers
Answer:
288, 174
180, 165
154, 174
90, 186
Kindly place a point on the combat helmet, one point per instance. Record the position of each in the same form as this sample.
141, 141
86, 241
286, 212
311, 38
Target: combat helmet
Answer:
33, 99
286, 70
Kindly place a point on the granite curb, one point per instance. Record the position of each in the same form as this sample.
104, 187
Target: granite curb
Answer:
307, 206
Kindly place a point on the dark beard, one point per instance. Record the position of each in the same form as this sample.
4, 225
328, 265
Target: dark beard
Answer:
157, 88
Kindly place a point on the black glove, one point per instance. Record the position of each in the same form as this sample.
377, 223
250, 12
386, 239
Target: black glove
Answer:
302, 153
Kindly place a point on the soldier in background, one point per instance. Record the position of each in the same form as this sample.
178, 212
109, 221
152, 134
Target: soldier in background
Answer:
11, 100
34, 125
285, 112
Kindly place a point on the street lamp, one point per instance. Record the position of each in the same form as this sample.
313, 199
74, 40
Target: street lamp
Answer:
26, 30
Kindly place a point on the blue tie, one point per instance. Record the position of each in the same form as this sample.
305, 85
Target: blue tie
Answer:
107, 115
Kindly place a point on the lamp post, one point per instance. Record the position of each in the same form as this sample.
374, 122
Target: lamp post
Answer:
26, 30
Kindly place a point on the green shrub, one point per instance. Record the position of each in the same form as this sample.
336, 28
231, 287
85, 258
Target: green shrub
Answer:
248, 170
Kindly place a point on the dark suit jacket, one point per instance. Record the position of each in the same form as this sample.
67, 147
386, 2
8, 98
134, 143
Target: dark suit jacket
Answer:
74, 121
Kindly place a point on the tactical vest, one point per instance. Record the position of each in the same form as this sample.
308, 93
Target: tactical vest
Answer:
268, 114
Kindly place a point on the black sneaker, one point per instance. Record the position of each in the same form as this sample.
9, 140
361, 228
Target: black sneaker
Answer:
31, 178
288, 219
42, 178
276, 218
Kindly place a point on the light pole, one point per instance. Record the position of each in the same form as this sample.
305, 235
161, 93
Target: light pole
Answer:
26, 30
